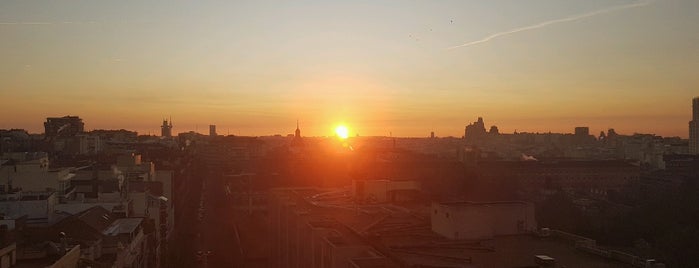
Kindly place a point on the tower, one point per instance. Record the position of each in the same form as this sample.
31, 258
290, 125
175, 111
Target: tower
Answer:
166, 129
212, 131
297, 141
694, 128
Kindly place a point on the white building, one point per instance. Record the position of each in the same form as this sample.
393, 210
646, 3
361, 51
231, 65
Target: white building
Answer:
38, 207
30, 172
470, 220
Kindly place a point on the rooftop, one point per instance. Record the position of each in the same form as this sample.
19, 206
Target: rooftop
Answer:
96, 217
469, 203
558, 164
123, 226
404, 236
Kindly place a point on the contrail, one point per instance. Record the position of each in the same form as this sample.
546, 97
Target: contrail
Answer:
26, 23
45, 23
556, 21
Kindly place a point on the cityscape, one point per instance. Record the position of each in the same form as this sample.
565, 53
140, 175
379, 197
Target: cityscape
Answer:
349, 134
114, 198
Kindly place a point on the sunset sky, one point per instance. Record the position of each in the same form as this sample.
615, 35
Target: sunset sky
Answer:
405, 67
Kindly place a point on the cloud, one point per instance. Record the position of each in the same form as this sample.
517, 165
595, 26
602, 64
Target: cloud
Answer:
551, 22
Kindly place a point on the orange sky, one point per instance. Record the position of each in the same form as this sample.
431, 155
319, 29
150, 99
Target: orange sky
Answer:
381, 67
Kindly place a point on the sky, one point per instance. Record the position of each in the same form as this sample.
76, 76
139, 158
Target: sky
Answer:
402, 67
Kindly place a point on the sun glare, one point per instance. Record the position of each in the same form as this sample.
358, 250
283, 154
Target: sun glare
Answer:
342, 132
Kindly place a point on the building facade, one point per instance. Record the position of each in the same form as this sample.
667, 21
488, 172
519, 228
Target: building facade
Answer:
166, 129
598, 177
470, 220
66, 126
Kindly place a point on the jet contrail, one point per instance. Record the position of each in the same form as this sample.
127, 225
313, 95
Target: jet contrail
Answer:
45, 23
26, 23
547, 23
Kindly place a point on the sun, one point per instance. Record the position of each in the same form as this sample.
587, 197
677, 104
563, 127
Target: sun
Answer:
342, 132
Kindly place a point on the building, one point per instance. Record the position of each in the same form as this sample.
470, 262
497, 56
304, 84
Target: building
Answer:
124, 243
66, 126
298, 140
30, 172
310, 227
598, 177
471, 220
694, 128
166, 129
475, 131
38, 207
582, 131
212, 131
15, 140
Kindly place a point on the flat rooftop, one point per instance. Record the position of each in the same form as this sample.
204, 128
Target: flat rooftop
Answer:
405, 236
123, 226
420, 246
469, 203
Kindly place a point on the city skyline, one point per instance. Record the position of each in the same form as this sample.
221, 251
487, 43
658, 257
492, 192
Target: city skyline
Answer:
405, 68
333, 130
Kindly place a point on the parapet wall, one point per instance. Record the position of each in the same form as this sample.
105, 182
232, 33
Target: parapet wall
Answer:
590, 246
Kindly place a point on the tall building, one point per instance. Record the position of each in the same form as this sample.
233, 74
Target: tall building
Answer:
166, 129
694, 128
212, 131
66, 126
475, 131
582, 131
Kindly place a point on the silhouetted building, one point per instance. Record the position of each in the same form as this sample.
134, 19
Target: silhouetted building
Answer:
432, 134
212, 131
297, 141
166, 129
694, 128
494, 130
597, 177
66, 126
475, 131
582, 131
582, 136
